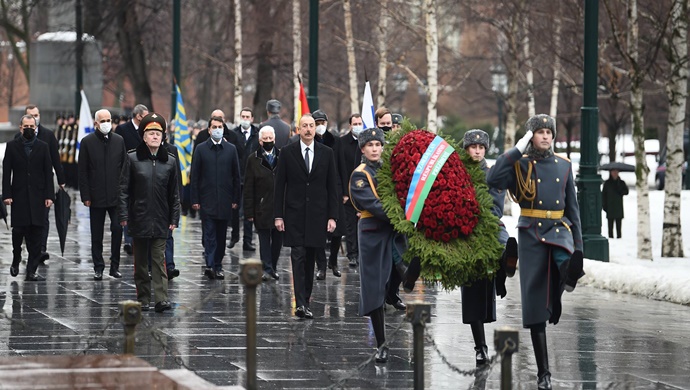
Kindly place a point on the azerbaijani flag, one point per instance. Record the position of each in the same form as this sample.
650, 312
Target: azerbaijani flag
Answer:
302, 105
183, 141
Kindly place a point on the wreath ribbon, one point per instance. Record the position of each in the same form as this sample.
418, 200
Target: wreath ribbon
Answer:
424, 176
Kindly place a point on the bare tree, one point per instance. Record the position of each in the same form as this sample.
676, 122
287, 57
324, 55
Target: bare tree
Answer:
238, 61
555, 82
677, 92
130, 41
383, 54
432, 64
351, 59
297, 53
529, 72
14, 19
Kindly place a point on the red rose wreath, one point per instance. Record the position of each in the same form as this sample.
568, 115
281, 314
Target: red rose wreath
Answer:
456, 233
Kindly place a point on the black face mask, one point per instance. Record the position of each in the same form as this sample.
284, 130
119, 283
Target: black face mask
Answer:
386, 128
28, 132
268, 146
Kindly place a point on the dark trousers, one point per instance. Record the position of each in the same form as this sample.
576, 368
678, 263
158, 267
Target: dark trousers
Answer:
46, 229
97, 216
169, 253
393, 288
332, 257
33, 235
247, 226
618, 222
270, 244
303, 260
351, 221
143, 248
215, 232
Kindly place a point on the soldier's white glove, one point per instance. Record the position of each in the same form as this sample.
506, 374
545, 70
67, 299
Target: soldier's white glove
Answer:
521, 145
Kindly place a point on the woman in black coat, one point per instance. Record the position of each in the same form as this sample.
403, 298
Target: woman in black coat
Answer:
258, 200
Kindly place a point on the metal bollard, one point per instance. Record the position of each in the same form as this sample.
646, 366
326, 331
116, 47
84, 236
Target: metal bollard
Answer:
418, 313
506, 340
250, 274
130, 316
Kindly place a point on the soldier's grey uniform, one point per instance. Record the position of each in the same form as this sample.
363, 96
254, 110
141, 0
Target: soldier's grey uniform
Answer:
548, 222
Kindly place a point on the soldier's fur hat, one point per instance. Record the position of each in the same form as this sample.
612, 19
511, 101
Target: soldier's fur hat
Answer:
372, 134
475, 137
541, 121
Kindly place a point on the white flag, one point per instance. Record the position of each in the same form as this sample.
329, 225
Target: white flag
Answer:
368, 108
85, 121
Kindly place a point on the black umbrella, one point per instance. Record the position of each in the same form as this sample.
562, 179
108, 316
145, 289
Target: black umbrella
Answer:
3, 214
63, 213
617, 166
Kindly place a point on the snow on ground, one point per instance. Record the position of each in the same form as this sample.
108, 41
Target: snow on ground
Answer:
662, 278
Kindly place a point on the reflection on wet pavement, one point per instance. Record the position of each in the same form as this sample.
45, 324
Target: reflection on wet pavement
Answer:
604, 340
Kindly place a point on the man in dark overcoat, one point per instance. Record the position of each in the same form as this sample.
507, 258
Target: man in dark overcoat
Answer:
27, 186
129, 131
306, 206
259, 200
612, 201
215, 193
102, 155
549, 229
350, 158
248, 134
281, 128
48, 136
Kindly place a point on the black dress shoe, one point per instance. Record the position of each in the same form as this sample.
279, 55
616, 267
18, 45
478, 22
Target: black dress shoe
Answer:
115, 274
173, 273
481, 355
320, 275
209, 273
308, 314
128, 249
98, 275
232, 243
14, 271
162, 306
44, 257
266, 277
335, 270
35, 278
544, 382
353, 262
247, 246
274, 275
299, 312
150, 276
145, 307
398, 304
382, 355
220, 274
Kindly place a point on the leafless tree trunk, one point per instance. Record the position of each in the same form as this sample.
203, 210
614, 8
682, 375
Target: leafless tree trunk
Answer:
644, 242
383, 54
297, 56
17, 32
677, 92
555, 83
432, 64
238, 61
351, 59
529, 72
130, 41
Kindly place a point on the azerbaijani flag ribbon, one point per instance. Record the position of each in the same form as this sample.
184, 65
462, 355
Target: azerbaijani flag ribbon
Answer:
424, 176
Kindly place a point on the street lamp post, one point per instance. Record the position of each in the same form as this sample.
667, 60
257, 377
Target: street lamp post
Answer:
499, 85
588, 180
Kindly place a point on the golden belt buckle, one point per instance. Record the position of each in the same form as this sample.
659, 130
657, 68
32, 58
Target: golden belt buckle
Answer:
548, 214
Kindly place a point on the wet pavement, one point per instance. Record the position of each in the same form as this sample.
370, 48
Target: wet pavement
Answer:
604, 339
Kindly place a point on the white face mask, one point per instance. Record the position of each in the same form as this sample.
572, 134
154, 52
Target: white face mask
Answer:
216, 134
321, 129
105, 127
356, 130
245, 124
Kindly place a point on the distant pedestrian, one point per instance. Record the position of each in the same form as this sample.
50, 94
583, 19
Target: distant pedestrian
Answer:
215, 193
248, 134
27, 186
350, 158
150, 206
612, 201
102, 155
281, 128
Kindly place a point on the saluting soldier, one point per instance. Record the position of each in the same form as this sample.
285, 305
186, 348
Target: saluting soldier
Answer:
549, 230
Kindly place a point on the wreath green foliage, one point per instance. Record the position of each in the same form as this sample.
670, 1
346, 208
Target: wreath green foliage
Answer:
460, 261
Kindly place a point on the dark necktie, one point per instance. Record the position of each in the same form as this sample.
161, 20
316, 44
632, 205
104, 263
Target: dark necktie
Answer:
306, 158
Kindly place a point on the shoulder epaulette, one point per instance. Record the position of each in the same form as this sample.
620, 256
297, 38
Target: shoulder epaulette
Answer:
564, 157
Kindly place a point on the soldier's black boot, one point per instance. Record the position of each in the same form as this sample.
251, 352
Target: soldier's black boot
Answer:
412, 274
480, 348
541, 354
378, 322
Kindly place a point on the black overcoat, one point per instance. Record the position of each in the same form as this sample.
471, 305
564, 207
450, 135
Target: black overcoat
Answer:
129, 134
100, 165
612, 198
215, 179
258, 189
249, 146
306, 201
281, 129
28, 180
350, 158
48, 136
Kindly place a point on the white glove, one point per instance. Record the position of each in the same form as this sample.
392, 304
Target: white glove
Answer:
521, 145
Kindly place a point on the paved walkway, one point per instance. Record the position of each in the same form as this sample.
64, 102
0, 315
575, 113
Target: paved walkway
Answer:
604, 340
